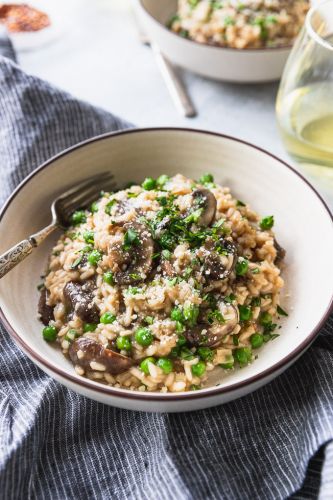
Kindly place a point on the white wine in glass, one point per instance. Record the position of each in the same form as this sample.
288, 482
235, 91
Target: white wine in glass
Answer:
305, 98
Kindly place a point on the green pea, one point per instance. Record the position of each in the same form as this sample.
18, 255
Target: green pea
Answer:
165, 364
242, 266
191, 313
108, 278
107, 318
88, 237
205, 353
206, 178
149, 183
267, 222
243, 355
265, 319
162, 179
256, 340
245, 313
199, 369
94, 257
78, 217
124, 343
177, 314
144, 337
50, 333
144, 364
89, 327
94, 207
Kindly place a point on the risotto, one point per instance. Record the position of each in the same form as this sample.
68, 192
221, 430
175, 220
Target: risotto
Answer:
155, 286
240, 24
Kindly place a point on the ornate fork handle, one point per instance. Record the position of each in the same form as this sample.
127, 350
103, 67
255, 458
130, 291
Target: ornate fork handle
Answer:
19, 252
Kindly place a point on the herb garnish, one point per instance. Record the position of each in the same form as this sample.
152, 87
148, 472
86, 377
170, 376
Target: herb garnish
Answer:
131, 238
281, 311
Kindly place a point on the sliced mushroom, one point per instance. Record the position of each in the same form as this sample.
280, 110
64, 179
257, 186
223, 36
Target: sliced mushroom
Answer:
133, 264
85, 351
280, 252
218, 266
45, 311
212, 335
79, 299
203, 198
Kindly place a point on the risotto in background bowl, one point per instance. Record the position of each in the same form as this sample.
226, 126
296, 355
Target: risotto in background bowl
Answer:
170, 294
231, 41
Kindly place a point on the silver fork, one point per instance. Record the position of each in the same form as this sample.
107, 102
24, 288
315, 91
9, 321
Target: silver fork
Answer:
62, 208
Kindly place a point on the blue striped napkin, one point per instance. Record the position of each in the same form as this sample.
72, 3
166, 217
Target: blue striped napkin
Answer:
54, 444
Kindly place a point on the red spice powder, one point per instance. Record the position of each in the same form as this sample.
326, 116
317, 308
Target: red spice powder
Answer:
22, 17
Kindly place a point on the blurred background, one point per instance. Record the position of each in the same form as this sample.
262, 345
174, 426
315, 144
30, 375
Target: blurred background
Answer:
98, 57
94, 51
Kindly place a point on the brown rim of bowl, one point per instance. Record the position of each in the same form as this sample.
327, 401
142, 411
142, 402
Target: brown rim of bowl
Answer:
205, 44
155, 396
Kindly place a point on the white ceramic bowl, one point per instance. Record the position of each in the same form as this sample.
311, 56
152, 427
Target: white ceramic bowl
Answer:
227, 64
303, 226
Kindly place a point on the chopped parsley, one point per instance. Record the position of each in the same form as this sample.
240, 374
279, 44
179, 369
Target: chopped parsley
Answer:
109, 206
281, 311
215, 315
229, 21
256, 301
88, 237
134, 290
229, 298
206, 354
131, 238
166, 254
149, 320
77, 262
242, 266
245, 313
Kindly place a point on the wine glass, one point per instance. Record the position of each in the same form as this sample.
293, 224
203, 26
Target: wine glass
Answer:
305, 99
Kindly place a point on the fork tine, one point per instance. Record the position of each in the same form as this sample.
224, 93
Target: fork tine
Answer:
91, 181
86, 196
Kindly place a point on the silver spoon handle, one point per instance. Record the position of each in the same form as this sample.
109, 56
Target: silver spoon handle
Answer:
19, 252
174, 84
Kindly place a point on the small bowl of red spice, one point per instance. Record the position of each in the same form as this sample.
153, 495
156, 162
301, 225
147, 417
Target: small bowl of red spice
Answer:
22, 18
31, 26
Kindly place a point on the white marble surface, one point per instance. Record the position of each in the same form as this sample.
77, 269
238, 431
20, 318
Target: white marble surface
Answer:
98, 58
